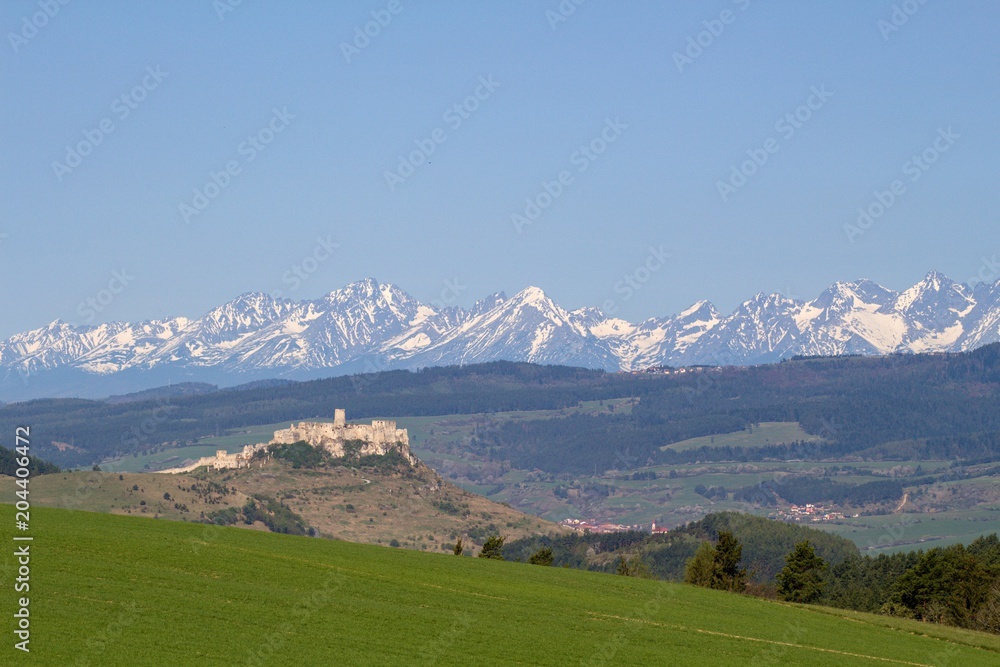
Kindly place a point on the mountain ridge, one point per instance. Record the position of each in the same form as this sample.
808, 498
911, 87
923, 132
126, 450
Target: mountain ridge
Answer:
367, 325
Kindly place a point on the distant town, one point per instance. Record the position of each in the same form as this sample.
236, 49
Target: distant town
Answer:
795, 514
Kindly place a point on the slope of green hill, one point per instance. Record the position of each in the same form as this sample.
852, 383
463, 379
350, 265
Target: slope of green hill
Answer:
409, 507
116, 590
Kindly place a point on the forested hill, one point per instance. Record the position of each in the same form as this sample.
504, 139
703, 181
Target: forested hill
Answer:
9, 464
89, 430
899, 406
765, 544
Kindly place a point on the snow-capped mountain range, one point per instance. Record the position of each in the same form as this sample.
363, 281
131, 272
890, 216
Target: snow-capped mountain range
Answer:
370, 326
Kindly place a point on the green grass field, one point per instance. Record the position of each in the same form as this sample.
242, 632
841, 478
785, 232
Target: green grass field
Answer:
114, 590
910, 532
761, 435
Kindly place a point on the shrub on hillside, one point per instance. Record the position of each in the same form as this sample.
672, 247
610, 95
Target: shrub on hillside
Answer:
541, 557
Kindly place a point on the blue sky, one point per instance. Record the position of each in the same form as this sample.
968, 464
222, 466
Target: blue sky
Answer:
642, 140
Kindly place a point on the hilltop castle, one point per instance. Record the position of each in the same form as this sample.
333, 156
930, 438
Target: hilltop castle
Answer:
378, 438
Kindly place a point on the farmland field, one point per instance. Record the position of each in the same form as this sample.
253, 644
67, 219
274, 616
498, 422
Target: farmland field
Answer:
759, 435
105, 587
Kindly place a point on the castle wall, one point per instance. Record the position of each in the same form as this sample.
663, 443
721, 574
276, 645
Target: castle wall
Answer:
379, 438
223, 459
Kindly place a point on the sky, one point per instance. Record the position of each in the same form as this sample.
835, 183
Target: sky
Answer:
160, 158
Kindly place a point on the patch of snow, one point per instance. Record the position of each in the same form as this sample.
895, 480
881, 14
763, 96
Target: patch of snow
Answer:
415, 342
885, 331
424, 313
939, 340
612, 326
542, 334
805, 315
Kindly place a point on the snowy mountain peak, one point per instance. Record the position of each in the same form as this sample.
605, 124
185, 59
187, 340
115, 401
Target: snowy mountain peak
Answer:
487, 304
936, 280
367, 325
762, 301
703, 309
359, 289
533, 295
933, 291
846, 296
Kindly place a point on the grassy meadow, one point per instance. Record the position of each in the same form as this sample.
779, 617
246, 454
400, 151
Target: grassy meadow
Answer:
120, 590
760, 435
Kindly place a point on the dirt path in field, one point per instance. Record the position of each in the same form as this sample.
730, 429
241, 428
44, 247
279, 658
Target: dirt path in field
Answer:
906, 497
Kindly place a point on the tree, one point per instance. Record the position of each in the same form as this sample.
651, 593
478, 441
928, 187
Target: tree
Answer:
458, 547
633, 568
698, 570
802, 578
493, 549
638, 568
988, 615
947, 585
542, 557
727, 575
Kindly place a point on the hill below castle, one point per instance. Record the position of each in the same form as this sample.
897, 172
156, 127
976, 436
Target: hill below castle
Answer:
391, 504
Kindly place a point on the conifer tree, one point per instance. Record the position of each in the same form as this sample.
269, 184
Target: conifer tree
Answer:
802, 578
493, 548
727, 575
698, 570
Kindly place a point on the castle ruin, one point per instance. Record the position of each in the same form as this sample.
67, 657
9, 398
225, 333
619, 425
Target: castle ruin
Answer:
378, 438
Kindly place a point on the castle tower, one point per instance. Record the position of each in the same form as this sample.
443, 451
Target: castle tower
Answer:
339, 418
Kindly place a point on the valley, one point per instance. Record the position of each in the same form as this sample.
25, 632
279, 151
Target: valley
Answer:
569, 467
626, 449
935, 514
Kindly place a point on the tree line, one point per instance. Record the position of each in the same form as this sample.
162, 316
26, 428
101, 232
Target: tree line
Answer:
955, 585
895, 407
898, 406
